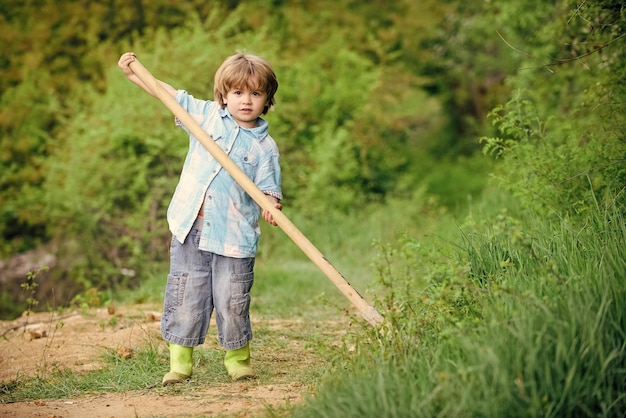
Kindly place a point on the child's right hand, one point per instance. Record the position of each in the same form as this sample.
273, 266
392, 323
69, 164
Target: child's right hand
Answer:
124, 63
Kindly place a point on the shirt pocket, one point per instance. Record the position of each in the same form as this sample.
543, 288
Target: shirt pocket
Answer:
246, 160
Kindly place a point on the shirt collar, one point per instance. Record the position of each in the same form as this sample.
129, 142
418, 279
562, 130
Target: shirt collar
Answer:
259, 132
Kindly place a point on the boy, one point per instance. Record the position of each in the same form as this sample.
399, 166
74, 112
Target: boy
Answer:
214, 223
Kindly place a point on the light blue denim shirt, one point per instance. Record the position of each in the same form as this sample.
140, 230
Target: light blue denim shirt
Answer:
231, 217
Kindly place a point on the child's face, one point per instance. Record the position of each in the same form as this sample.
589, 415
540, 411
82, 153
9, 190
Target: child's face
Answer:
246, 105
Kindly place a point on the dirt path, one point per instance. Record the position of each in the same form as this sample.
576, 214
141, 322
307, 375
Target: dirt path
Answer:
243, 400
78, 340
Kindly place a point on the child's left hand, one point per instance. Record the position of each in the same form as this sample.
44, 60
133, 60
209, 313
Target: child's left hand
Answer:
268, 216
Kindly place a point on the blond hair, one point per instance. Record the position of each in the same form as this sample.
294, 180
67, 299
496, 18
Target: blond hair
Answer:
243, 69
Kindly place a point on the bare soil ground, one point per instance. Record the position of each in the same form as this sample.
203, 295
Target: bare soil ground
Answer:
79, 344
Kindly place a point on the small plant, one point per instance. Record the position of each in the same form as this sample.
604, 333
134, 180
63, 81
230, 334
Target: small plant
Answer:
31, 286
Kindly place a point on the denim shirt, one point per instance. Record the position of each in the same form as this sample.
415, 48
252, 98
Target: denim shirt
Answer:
230, 223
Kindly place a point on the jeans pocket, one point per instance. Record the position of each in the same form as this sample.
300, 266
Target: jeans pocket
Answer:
175, 290
240, 285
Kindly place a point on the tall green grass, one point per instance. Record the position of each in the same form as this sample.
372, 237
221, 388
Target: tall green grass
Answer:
526, 318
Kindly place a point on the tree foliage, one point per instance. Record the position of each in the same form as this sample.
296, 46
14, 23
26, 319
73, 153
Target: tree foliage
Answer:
562, 131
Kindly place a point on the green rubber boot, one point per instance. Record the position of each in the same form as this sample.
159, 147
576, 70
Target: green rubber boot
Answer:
237, 363
181, 364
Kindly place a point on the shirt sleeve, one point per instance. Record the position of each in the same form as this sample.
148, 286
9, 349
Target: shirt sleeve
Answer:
197, 109
268, 177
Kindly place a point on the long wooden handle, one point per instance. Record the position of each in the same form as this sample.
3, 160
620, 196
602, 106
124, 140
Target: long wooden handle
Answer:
368, 312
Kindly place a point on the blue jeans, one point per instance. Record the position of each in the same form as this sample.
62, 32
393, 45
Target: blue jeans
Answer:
200, 281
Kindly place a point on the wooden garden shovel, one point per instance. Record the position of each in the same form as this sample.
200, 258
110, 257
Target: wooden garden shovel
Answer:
368, 312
